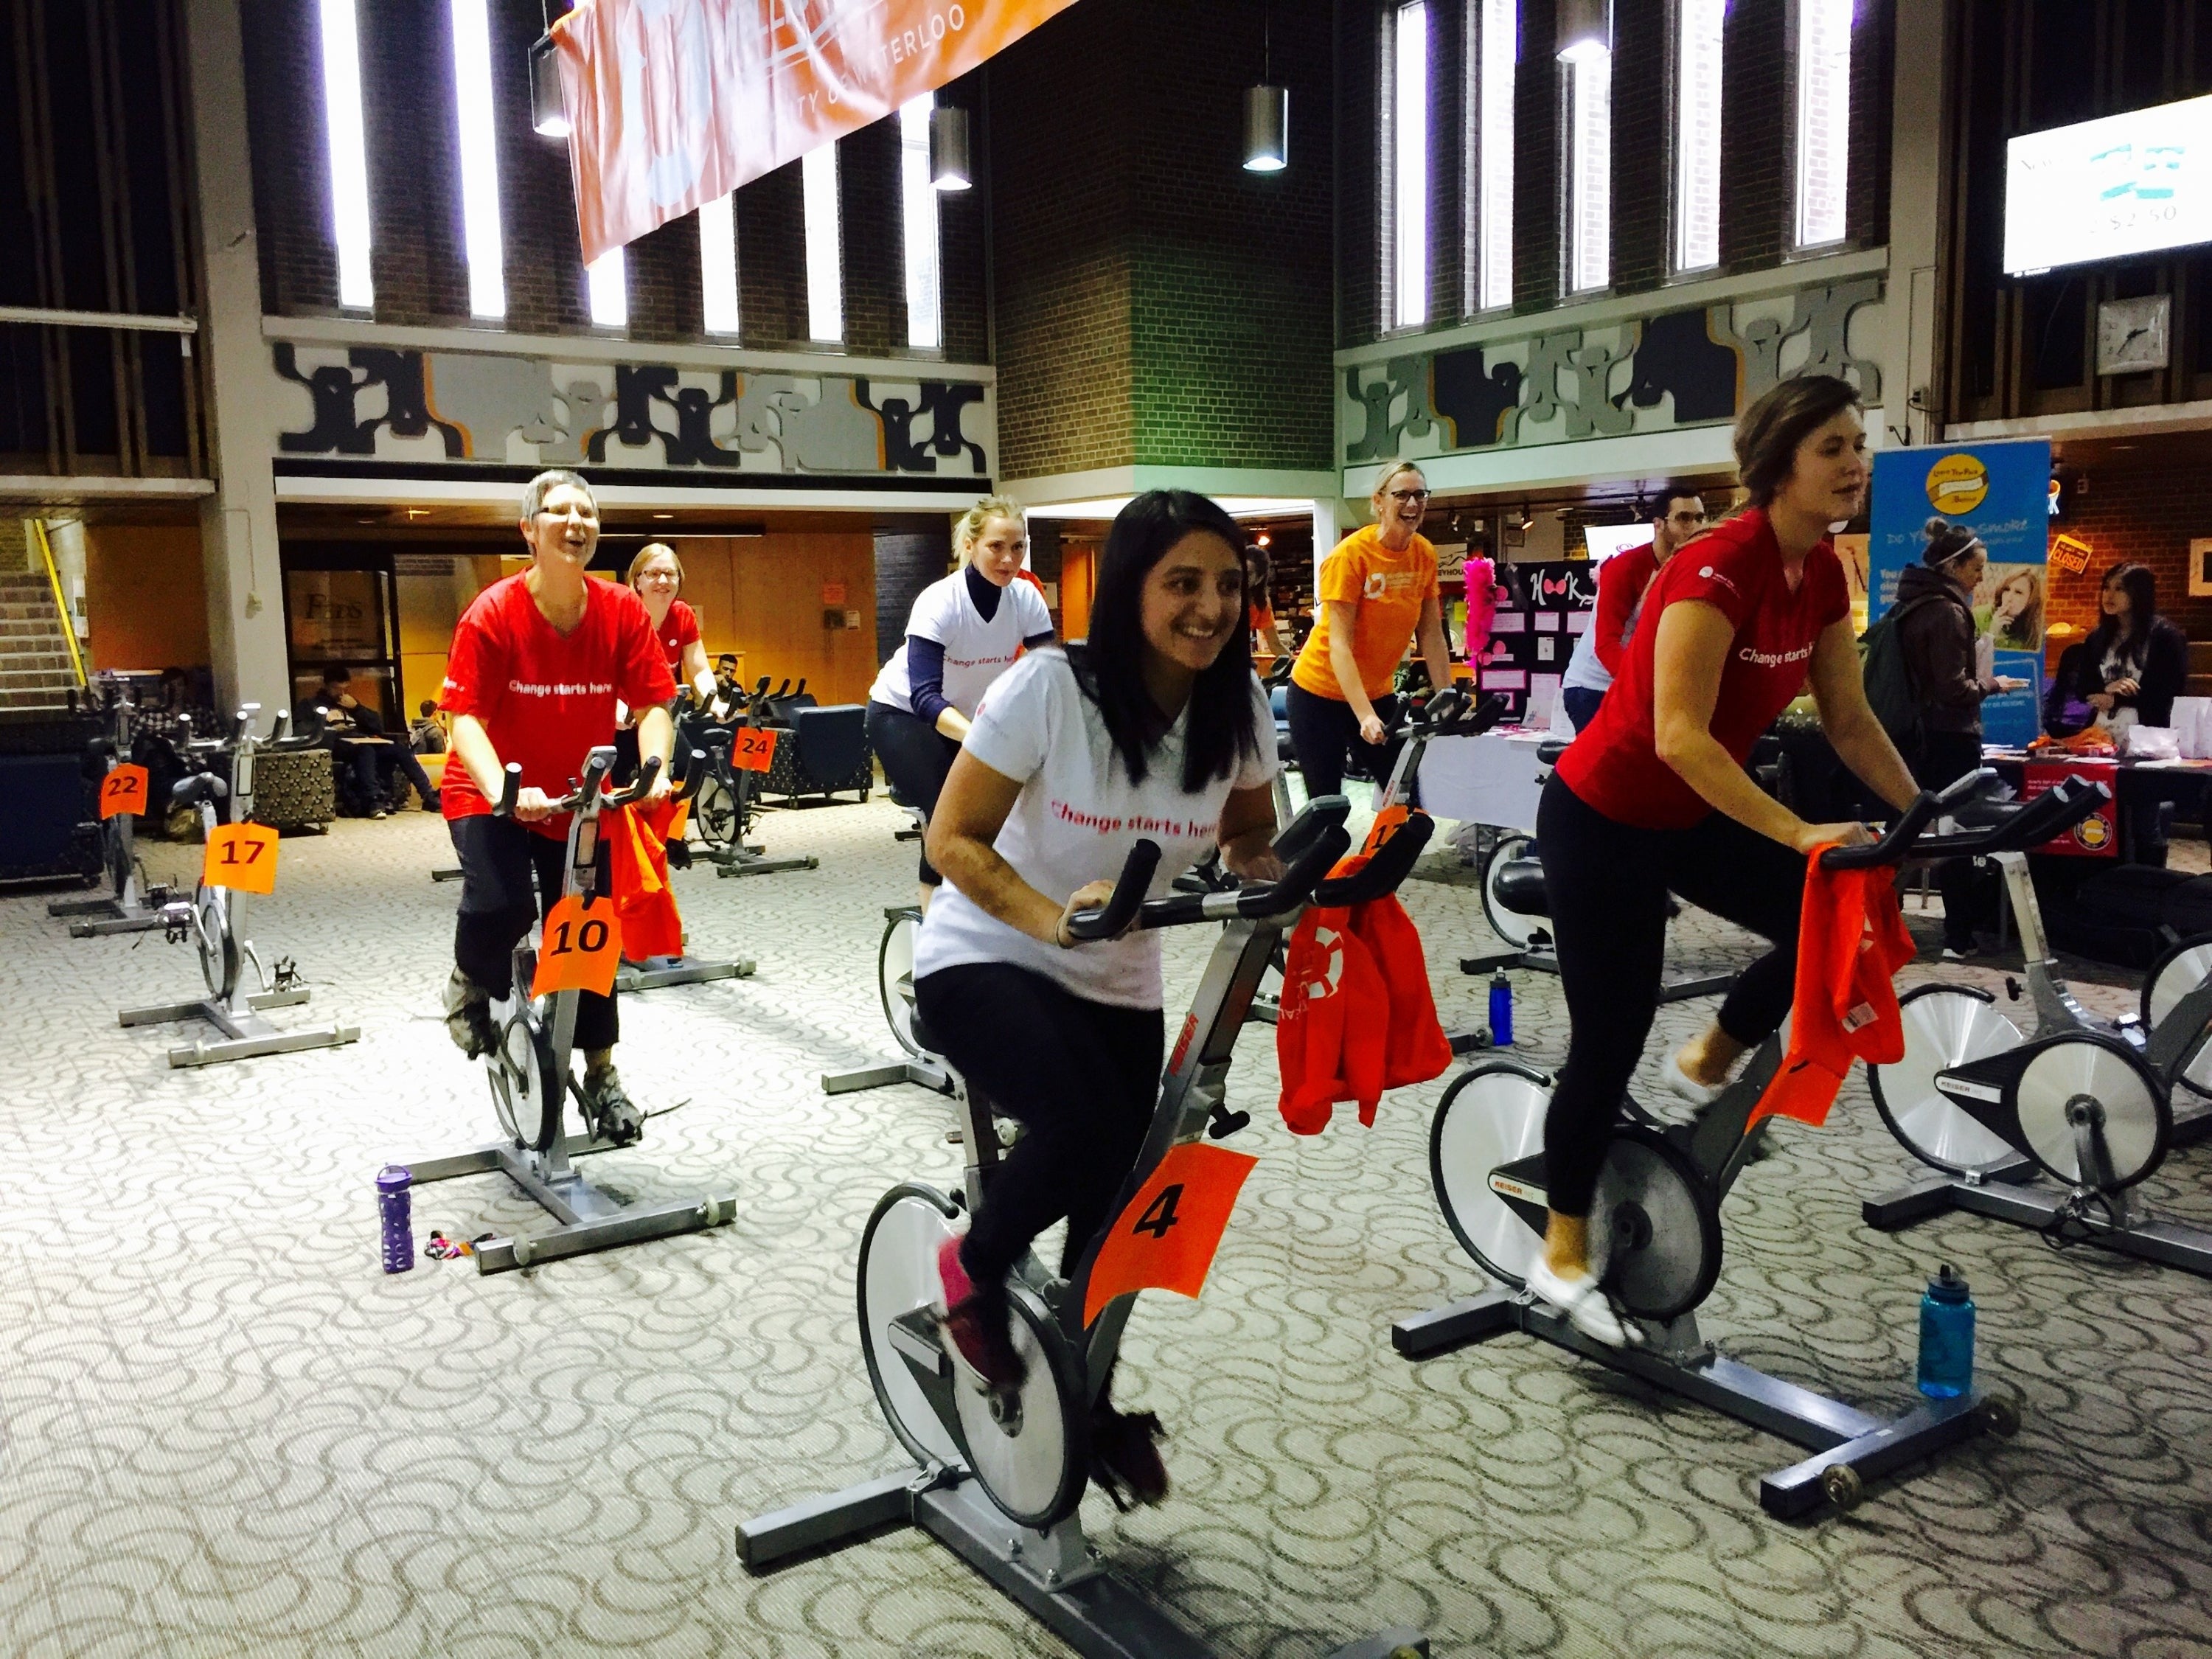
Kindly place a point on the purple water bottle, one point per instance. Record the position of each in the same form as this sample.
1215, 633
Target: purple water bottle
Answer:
393, 1205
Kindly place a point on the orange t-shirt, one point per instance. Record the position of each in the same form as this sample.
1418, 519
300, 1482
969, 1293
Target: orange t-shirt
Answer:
1386, 590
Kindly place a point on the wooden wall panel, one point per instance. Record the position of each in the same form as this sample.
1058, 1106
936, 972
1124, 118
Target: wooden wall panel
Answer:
763, 595
144, 596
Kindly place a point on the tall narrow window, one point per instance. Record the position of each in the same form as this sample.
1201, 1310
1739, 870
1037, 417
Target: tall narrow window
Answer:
925, 304
1824, 118
1487, 155
1403, 135
718, 265
609, 281
825, 252
348, 153
1588, 70
479, 159
1697, 133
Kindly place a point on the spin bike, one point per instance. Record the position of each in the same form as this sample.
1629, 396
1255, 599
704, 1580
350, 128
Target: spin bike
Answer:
531, 1079
699, 741
916, 1064
998, 1482
1656, 1227
724, 809
214, 918
130, 909
2079, 1102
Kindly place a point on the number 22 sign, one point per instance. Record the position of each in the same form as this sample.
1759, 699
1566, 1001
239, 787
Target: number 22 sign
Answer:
123, 790
1165, 1236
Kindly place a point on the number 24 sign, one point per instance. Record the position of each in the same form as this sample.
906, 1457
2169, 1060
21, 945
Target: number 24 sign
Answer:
1166, 1236
240, 856
754, 750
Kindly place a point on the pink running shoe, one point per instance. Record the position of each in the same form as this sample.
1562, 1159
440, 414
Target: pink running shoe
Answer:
978, 1331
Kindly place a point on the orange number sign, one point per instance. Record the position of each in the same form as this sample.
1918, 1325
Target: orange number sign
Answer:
579, 949
1166, 1237
755, 748
241, 856
123, 790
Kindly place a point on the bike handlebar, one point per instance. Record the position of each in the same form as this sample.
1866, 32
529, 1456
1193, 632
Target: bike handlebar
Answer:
1388, 865
1893, 844
1128, 896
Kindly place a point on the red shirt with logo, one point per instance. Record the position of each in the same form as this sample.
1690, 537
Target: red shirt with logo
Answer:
1735, 567
678, 629
547, 699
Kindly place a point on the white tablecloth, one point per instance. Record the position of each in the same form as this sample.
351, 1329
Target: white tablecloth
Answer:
1491, 778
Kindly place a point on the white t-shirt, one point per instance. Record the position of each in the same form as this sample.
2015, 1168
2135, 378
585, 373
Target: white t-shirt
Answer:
976, 651
1074, 822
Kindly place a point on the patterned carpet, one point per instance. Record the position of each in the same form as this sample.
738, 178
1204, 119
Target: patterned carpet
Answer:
226, 1432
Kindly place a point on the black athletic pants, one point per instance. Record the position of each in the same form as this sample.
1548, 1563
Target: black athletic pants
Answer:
1084, 1079
1944, 758
916, 758
498, 857
1323, 729
1607, 884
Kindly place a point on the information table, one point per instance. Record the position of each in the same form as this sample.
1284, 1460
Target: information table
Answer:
1494, 779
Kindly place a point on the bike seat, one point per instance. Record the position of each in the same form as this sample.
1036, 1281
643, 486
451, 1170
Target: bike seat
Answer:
201, 786
1519, 887
1548, 752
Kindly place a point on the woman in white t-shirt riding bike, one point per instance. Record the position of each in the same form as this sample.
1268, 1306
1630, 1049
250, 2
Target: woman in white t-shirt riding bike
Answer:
961, 633
1155, 728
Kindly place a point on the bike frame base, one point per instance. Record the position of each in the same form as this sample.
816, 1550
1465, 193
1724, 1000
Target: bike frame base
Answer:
247, 1035
104, 916
752, 863
2008, 1194
924, 1073
660, 971
590, 1219
1056, 1576
450, 873
1834, 1432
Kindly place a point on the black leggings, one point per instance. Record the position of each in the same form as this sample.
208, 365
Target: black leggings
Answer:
1083, 1077
1608, 883
498, 857
1323, 728
916, 758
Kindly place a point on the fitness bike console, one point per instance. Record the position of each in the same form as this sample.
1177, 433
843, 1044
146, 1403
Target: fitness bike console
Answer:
128, 910
1000, 1481
214, 918
1656, 1227
2084, 1104
530, 1080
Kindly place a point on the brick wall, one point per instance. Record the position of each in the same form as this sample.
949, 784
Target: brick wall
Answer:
906, 563
1536, 252
1758, 114
1643, 164
770, 216
874, 238
291, 163
2144, 506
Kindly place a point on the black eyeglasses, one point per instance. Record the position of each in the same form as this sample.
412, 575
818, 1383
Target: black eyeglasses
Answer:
1409, 495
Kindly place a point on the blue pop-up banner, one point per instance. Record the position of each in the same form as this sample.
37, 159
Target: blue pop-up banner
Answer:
2000, 491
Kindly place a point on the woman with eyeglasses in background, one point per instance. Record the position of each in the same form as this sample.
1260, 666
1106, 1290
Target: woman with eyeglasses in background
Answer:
1377, 591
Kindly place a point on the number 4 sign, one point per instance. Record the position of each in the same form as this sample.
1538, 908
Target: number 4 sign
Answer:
1165, 1237
241, 856
579, 950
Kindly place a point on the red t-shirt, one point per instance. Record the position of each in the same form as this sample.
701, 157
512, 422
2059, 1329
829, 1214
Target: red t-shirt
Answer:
678, 629
1736, 566
1621, 580
547, 700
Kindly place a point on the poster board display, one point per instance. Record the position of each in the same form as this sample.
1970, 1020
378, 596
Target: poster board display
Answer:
1541, 609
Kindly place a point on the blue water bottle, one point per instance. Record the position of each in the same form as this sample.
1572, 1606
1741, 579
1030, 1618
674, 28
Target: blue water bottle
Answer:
393, 1206
1501, 1010
1947, 1337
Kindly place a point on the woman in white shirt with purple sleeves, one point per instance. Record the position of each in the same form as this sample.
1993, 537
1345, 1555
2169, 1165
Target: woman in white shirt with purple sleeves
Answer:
961, 633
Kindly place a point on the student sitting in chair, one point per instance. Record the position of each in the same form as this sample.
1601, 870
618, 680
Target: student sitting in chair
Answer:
346, 723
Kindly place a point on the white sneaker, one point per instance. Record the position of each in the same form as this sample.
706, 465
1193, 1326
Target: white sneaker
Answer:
1583, 1304
1681, 1083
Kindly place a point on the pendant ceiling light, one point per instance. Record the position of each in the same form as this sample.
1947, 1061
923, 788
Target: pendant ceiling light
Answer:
1585, 29
1266, 112
949, 168
549, 105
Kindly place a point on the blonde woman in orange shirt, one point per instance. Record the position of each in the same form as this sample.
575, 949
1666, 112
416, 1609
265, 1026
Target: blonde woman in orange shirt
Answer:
1376, 593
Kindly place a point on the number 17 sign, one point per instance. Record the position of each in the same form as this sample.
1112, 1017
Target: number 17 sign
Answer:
1165, 1236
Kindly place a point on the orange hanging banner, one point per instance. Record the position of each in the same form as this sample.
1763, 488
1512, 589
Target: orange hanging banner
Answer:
1165, 1237
754, 750
242, 856
123, 790
674, 103
578, 949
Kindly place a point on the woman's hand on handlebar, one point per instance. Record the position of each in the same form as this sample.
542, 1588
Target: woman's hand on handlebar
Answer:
1370, 728
1092, 896
1851, 833
534, 806
659, 788
1249, 863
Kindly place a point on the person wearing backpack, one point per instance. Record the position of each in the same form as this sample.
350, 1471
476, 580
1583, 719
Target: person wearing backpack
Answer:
1925, 681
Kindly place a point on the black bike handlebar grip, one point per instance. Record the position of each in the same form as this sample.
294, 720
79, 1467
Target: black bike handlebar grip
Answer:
646, 774
1889, 847
510, 791
694, 775
1302, 876
1316, 816
1391, 864
1128, 897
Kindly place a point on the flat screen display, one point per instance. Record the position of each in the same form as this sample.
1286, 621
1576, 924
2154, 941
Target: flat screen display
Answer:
2104, 189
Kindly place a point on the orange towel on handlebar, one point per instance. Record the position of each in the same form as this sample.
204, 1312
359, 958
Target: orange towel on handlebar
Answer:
1850, 943
637, 879
1357, 1016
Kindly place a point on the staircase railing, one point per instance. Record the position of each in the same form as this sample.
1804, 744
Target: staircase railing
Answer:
61, 600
